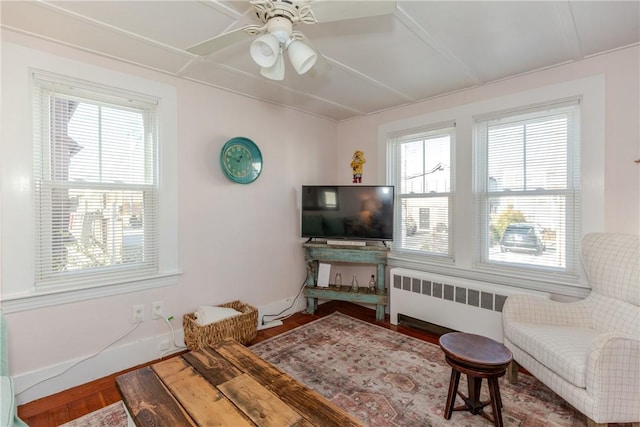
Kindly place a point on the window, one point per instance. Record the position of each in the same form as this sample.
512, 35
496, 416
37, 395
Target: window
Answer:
528, 188
423, 178
95, 182
523, 181
81, 226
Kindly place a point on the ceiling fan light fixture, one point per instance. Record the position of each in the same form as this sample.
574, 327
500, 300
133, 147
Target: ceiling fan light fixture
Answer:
275, 72
281, 28
302, 57
265, 50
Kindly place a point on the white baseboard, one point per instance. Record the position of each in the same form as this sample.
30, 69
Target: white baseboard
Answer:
53, 379
271, 324
269, 312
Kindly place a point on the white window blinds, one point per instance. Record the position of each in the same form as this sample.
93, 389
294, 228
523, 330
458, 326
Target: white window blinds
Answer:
95, 175
528, 188
423, 180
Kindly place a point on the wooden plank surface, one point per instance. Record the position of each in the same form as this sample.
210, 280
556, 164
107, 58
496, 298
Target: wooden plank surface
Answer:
201, 399
311, 405
148, 402
212, 366
262, 406
224, 385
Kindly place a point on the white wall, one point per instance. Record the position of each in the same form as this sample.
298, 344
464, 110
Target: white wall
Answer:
236, 241
622, 129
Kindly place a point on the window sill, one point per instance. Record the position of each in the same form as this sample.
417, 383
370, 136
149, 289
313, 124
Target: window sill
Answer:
47, 298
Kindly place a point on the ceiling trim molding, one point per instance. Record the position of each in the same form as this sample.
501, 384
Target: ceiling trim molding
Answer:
107, 27
371, 80
569, 30
438, 46
93, 52
225, 10
280, 87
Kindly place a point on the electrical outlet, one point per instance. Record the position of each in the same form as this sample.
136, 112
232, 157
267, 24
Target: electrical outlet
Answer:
156, 309
137, 313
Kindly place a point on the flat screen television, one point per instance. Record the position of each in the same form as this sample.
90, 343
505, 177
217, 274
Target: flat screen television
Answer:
349, 212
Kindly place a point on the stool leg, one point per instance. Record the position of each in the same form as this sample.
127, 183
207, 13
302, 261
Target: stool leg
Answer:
474, 384
453, 390
496, 401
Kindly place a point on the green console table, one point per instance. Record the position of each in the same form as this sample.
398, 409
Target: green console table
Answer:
320, 252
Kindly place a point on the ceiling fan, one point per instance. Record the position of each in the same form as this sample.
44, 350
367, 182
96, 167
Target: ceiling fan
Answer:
275, 34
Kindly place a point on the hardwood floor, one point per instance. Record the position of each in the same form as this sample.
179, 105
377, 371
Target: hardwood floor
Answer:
51, 411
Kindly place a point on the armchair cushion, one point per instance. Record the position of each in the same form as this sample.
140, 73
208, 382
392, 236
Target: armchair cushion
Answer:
563, 349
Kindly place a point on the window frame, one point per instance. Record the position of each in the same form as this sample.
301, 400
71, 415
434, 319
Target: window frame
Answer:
18, 236
394, 149
48, 88
465, 259
571, 192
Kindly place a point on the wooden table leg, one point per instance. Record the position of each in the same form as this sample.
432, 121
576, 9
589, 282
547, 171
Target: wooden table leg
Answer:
453, 391
496, 401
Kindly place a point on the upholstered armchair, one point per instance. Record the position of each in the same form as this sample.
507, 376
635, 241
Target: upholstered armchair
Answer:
588, 351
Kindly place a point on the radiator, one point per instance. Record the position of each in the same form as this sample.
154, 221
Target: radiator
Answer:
459, 304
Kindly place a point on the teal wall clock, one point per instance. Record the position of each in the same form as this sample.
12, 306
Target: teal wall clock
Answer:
241, 160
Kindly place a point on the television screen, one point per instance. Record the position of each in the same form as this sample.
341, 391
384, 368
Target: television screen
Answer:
356, 212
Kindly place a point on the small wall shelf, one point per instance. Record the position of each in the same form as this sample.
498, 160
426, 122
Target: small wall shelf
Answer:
321, 252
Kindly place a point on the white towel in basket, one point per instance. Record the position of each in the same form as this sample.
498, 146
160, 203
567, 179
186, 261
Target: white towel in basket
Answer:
208, 314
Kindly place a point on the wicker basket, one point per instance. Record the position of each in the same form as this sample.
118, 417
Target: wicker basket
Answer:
242, 328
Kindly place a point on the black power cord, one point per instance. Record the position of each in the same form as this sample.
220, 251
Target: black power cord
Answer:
293, 303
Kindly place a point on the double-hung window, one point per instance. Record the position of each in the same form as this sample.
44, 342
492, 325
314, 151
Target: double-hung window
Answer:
422, 174
501, 190
528, 188
95, 184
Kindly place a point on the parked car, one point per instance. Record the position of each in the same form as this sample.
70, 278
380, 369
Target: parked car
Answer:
524, 237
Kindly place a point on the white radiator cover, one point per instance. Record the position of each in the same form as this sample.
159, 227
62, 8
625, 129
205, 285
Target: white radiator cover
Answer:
460, 304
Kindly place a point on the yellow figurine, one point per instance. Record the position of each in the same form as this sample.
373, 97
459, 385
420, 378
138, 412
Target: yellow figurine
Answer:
356, 166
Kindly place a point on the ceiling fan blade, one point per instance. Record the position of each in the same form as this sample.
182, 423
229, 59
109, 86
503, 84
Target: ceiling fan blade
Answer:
338, 10
223, 40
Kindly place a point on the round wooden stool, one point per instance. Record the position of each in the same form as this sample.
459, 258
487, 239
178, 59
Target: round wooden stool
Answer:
479, 357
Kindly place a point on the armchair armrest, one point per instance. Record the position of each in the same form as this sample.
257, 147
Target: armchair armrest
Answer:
543, 311
613, 374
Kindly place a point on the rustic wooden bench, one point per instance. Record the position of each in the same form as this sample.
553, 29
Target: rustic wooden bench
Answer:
226, 385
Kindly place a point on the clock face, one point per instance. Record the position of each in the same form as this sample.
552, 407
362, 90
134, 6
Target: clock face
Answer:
241, 160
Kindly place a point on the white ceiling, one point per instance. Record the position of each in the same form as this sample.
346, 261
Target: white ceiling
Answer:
425, 49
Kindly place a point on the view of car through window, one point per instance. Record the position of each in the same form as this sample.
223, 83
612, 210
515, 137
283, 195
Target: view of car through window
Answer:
522, 237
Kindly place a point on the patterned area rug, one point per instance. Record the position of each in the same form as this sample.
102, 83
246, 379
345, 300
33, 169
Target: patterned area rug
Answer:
385, 378
113, 415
